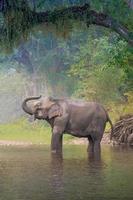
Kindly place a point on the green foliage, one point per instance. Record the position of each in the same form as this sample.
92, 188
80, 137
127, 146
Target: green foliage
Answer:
18, 20
15, 24
117, 109
102, 68
119, 10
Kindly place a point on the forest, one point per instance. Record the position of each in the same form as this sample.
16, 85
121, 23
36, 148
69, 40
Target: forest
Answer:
79, 49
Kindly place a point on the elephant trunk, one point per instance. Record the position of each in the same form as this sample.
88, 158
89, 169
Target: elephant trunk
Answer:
26, 108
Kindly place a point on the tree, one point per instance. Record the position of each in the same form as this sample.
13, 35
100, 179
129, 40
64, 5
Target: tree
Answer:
102, 69
19, 18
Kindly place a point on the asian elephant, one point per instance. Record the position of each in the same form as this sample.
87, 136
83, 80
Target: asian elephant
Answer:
78, 118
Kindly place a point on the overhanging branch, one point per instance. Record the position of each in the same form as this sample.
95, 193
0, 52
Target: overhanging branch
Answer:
84, 13
81, 13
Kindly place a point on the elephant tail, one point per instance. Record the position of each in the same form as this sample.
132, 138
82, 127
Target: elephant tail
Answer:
109, 120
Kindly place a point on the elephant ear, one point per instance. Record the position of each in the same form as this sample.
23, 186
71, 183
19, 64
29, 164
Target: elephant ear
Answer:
54, 111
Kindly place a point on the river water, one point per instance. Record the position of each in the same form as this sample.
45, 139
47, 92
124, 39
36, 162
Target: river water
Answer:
33, 174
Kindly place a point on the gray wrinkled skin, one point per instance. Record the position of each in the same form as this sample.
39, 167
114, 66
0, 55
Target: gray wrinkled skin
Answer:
78, 118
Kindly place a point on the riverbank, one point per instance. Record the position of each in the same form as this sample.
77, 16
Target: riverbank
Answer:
74, 141
25, 133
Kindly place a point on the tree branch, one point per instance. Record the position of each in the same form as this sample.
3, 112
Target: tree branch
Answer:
108, 22
83, 13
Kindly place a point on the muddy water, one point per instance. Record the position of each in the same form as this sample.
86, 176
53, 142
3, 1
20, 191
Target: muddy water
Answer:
32, 174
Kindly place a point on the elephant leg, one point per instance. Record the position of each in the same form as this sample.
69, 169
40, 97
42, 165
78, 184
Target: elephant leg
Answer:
56, 140
97, 149
90, 148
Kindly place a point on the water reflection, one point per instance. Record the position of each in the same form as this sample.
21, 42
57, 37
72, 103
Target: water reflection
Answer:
57, 176
35, 174
68, 176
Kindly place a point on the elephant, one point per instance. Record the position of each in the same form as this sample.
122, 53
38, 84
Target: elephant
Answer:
75, 117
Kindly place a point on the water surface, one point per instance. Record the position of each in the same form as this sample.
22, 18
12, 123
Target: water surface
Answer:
32, 174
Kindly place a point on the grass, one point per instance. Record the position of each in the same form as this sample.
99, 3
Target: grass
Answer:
22, 130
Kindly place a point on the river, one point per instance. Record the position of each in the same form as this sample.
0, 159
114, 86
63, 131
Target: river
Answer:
31, 173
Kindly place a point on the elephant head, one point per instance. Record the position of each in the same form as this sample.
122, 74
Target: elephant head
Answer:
42, 108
